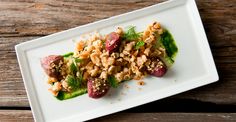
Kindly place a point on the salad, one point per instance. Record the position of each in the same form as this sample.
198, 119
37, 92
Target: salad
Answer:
101, 62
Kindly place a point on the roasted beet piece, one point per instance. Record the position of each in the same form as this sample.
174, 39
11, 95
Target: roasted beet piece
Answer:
112, 41
160, 69
50, 64
97, 88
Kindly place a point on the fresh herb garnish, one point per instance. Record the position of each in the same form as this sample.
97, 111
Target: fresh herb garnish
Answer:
78, 60
73, 82
68, 54
139, 44
112, 81
73, 68
131, 34
80, 77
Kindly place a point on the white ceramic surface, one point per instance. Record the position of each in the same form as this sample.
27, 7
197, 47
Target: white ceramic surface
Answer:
194, 66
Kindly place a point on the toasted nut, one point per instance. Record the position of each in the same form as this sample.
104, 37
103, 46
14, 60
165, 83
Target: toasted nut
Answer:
95, 71
95, 59
51, 80
80, 46
111, 69
56, 86
119, 31
103, 75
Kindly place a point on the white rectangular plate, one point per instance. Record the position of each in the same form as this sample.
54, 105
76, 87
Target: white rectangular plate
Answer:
194, 66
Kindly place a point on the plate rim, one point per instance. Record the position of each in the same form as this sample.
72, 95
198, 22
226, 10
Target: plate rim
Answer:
27, 77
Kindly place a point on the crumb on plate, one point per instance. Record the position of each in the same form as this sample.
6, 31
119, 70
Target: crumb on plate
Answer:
141, 83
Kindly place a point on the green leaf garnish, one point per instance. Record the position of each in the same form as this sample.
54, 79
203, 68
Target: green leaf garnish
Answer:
80, 77
112, 81
73, 68
131, 34
72, 82
77, 60
139, 44
68, 54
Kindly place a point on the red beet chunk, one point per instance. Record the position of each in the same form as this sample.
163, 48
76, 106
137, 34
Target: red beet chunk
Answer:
50, 63
97, 88
112, 42
160, 69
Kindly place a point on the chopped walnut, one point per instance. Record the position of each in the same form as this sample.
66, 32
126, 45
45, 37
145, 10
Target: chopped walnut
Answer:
86, 75
147, 51
111, 69
119, 31
115, 55
89, 66
80, 46
56, 86
95, 71
119, 76
51, 80
103, 75
84, 55
55, 93
132, 58
104, 61
111, 61
148, 40
129, 46
141, 83
141, 60
95, 59
97, 44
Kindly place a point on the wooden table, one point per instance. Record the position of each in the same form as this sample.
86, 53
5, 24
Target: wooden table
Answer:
27, 19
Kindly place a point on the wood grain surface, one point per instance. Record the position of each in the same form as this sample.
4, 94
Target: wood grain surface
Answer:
23, 20
26, 116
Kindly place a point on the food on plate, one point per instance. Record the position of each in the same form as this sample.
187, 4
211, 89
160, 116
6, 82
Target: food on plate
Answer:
51, 63
97, 87
100, 62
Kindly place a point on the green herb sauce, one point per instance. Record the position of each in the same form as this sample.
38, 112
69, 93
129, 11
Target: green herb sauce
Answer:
167, 41
67, 95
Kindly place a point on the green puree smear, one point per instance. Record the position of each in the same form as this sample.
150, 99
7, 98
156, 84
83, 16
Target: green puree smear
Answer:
67, 95
168, 42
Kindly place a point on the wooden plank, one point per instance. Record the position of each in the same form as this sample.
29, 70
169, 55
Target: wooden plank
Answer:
16, 115
168, 117
50, 16
17, 18
12, 91
25, 20
26, 116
